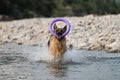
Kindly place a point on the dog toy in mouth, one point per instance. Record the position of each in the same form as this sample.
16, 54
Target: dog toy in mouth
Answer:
56, 20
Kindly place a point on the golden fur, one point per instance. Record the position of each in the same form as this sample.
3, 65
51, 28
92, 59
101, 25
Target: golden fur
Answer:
57, 47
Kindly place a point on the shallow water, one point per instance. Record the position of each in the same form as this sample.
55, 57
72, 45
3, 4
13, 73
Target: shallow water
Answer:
29, 63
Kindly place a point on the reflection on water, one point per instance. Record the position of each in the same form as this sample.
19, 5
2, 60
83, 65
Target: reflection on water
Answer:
57, 70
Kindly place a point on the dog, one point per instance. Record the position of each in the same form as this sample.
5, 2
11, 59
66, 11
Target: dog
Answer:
57, 45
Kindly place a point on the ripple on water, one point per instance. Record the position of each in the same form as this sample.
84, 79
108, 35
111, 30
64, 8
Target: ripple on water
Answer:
84, 65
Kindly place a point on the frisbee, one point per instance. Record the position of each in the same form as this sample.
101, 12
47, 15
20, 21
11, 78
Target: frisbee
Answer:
56, 20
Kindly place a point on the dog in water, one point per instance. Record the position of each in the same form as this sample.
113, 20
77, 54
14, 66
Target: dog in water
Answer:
57, 45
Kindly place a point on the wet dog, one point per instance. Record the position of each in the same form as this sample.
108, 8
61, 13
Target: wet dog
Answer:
57, 45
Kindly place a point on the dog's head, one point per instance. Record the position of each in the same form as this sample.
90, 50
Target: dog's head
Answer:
59, 31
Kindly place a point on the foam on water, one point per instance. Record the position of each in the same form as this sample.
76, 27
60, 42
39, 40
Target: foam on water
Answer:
40, 54
36, 53
75, 56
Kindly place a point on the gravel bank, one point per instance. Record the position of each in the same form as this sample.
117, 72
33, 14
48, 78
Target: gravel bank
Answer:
89, 32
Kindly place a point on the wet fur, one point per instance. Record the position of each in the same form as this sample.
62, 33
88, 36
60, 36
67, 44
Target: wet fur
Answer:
57, 46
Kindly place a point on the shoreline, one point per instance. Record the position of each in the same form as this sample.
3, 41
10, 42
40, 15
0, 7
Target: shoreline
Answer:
90, 32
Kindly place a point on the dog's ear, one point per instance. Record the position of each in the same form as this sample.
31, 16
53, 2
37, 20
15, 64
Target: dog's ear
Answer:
55, 26
65, 28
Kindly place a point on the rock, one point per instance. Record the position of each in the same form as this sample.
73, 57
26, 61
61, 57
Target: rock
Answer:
89, 32
70, 47
82, 45
114, 47
113, 51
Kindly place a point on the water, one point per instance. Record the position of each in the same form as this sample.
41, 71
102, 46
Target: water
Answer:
29, 63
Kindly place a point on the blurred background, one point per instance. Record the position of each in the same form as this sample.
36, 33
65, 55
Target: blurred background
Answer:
18, 9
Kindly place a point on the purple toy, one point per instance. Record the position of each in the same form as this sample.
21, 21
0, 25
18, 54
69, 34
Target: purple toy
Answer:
63, 20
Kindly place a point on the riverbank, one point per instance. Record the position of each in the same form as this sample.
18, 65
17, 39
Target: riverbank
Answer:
87, 33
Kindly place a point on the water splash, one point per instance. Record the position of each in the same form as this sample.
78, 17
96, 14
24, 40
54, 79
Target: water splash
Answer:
74, 56
36, 53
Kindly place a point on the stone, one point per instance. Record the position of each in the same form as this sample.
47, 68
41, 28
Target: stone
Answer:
81, 45
114, 47
89, 32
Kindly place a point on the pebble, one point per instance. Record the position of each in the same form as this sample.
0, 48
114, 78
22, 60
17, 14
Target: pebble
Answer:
89, 32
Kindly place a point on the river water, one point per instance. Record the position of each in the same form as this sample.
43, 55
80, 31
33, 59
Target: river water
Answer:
29, 63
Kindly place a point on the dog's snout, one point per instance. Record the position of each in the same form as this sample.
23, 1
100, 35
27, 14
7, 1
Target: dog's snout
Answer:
60, 32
